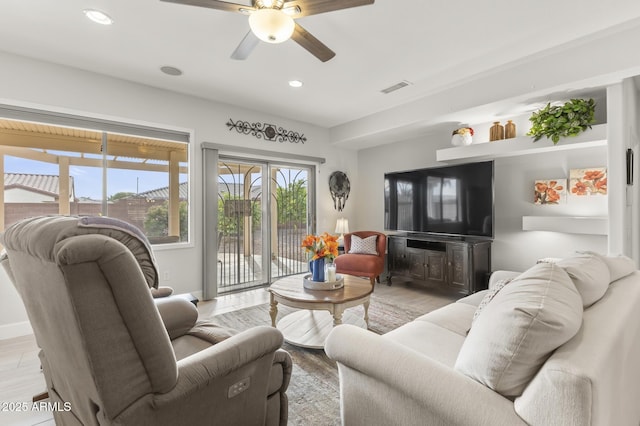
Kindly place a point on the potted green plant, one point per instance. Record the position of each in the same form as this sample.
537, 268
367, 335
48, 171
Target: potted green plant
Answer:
560, 121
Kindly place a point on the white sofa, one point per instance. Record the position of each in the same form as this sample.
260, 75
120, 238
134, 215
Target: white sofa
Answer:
439, 370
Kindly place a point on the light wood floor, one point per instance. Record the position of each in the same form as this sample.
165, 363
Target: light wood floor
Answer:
20, 376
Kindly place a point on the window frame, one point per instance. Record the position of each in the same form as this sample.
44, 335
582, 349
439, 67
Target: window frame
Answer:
118, 126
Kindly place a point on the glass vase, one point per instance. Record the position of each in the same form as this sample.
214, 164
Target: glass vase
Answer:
330, 271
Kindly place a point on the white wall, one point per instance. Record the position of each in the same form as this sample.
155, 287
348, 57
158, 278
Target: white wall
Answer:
634, 143
48, 86
513, 248
20, 195
373, 163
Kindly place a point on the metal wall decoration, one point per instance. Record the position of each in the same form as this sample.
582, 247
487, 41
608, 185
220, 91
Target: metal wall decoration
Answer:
266, 131
339, 186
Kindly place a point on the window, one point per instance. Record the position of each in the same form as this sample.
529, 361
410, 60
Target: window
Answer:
51, 169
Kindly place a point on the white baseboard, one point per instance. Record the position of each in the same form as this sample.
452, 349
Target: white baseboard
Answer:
16, 329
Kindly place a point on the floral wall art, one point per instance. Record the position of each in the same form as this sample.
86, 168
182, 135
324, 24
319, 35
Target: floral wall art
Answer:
592, 181
552, 191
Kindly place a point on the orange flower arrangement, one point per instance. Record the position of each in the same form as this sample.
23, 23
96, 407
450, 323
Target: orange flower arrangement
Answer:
322, 246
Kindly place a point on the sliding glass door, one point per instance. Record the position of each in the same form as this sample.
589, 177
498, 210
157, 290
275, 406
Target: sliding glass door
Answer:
261, 213
290, 219
242, 256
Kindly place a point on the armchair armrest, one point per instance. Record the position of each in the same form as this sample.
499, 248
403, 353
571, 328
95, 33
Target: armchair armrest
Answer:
383, 382
228, 380
178, 315
200, 369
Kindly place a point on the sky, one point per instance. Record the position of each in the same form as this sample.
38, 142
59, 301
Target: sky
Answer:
88, 180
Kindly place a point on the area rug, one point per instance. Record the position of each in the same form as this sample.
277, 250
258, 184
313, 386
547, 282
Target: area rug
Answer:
314, 391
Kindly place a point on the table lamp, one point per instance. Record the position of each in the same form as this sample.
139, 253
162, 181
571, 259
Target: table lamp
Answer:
342, 227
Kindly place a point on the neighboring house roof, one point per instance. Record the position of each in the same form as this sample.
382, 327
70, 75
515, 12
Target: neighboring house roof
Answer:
163, 193
237, 189
89, 200
44, 184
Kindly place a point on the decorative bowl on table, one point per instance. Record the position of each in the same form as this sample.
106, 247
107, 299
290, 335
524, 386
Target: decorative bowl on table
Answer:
323, 285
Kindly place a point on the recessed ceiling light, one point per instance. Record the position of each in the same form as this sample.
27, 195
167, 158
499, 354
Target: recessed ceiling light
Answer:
98, 16
295, 83
171, 70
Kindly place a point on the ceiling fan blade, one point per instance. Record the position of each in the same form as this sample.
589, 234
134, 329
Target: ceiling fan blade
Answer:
246, 46
215, 4
312, 44
313, 7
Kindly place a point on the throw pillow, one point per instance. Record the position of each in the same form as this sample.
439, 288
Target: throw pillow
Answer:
488, 297
619, 266
364, 245
525, 322
589, 274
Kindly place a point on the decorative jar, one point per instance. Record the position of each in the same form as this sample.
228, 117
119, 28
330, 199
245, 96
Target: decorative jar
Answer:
462, 136
509, 130
496, 132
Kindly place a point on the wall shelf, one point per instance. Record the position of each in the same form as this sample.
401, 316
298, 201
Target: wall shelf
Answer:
591, 225
522, 145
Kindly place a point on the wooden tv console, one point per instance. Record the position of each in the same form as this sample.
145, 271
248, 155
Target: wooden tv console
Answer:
447, 263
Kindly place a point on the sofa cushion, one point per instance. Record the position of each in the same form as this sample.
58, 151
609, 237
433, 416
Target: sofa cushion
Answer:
364, 245
473, 299
589, 274
619, 266
524, 323
455, 317
429, 339
594, 378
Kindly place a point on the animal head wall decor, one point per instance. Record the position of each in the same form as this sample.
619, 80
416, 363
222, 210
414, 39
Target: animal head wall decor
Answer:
339, 187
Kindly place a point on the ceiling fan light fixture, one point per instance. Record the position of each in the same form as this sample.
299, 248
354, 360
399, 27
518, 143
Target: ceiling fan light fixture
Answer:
269, 4
271, 25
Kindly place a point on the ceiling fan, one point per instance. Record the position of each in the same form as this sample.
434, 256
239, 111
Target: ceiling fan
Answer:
273, 21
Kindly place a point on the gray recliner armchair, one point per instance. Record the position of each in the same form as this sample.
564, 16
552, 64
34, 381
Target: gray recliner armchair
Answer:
114, 356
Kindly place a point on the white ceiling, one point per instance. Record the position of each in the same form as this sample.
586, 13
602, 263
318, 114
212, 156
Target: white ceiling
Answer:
430, 44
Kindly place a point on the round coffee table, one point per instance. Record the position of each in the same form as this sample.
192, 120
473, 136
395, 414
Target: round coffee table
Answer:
322, 309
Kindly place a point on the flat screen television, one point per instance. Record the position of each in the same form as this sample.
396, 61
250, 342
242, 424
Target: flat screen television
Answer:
451, 200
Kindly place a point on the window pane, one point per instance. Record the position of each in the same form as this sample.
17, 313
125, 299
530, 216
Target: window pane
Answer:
140, 186
30, 188
58, 170
142, 199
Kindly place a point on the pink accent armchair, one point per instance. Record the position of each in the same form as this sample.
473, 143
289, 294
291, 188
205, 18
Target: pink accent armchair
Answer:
363, 265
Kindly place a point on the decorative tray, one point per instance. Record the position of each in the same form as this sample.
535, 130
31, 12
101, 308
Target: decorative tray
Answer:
323, 285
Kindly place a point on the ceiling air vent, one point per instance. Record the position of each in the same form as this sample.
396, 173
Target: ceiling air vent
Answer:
395, 87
